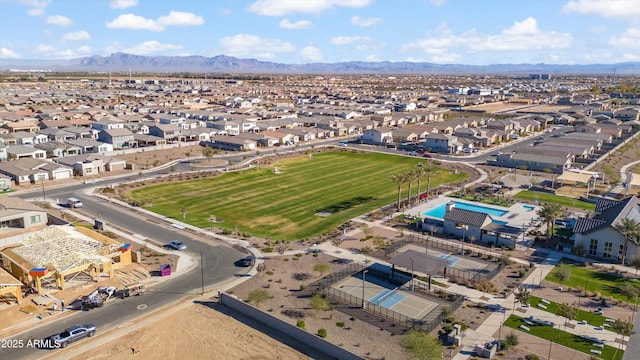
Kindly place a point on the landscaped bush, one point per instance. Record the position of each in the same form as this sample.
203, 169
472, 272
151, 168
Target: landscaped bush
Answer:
322, 333
267, 250
300, 324
532, 357
340, 324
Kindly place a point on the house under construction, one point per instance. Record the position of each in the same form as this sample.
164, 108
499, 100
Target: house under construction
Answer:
60, 253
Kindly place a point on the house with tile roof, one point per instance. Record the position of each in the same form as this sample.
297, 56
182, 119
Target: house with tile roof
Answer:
597, 234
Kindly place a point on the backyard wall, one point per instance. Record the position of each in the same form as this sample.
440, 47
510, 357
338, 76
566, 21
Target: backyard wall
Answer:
314, 341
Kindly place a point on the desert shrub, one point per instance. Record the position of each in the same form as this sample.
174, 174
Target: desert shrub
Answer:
532, 357
300, 324
340, 324
322, 333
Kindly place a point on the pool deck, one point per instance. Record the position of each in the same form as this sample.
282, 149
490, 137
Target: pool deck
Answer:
517, 214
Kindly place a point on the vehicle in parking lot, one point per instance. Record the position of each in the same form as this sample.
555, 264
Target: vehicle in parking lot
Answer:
413, 153
72, 334
177, 245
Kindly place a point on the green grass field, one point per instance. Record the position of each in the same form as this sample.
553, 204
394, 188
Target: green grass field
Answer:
589, 317
285, 205
544, 197
594, 281
564, 338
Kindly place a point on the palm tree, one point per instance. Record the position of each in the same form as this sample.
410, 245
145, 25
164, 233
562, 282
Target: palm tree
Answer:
398, 179
410, 175
549, 213
429, 170
419, 175
630, 229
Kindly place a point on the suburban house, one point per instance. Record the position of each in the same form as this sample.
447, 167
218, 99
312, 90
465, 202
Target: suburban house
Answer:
24, 151
59, 149
467, 223
377, 136
169, 132
17, 215
597, 235
92, 164
28, 170
120, 138
230, 143
443, 143
91, 146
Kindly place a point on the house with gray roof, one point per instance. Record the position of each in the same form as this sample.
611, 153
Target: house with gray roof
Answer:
119, 138
597, 235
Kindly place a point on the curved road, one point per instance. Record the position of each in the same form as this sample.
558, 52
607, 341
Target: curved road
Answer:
217, 258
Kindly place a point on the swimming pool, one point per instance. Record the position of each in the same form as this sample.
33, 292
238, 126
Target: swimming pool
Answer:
440, 210
528, 207
500, 222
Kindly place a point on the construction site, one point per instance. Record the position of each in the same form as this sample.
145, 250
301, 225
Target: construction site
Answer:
57, 255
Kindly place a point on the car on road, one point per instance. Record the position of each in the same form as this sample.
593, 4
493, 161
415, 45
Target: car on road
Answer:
344, 144
72, 334
413, 153
249, 261
540, 138
73, 203
499, 153
177, 245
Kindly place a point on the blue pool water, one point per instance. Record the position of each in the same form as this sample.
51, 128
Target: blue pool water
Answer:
440, 210
500, 222
528, 207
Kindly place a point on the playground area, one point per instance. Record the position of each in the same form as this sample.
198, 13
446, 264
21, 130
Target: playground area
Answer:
381, 293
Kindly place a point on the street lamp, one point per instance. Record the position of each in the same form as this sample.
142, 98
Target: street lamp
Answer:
412, 276
464, 233
363, 280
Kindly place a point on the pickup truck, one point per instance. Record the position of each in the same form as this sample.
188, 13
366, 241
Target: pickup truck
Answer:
72, 334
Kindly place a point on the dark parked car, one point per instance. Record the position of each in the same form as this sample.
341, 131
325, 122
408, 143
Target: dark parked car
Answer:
249, 261
73, 333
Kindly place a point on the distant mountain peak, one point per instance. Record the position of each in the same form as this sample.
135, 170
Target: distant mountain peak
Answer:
120, 61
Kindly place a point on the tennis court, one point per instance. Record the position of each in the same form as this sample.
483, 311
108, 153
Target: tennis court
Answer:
379, 292
456, 261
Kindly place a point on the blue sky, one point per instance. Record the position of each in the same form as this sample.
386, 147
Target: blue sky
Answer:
301, 31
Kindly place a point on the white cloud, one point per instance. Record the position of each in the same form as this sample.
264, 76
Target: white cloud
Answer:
149, 47
73, 53
521, 36
346, 40
134, 22
621, 9
300, 24
358, 21
36, 7
437, 2
58, 20
373, 57
42, 48
447, 58
630, 39
123, 4
310, 53
288, 7
8, 53
180, 18
412, 59
252, 45
76, 36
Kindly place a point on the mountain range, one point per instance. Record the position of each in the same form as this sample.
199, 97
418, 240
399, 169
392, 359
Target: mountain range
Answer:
121, 62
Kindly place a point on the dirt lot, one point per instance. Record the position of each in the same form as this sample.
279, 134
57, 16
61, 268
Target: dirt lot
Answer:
226, 338
281, 280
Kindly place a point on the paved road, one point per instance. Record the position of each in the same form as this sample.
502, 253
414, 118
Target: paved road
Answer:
217, 257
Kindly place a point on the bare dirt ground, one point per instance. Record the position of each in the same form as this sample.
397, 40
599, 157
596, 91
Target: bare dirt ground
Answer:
211, 335
281, 280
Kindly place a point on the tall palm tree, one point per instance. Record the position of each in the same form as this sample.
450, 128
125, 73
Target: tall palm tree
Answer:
630, 229
410, 176
419, 171
429, 170
556, 211
398, 179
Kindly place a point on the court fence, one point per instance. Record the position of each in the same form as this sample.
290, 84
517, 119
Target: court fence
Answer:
451, 272
427, 324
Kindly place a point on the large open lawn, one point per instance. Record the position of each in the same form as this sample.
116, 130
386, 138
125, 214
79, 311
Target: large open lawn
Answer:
595, 281
285, 205
543, 197
564, 338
